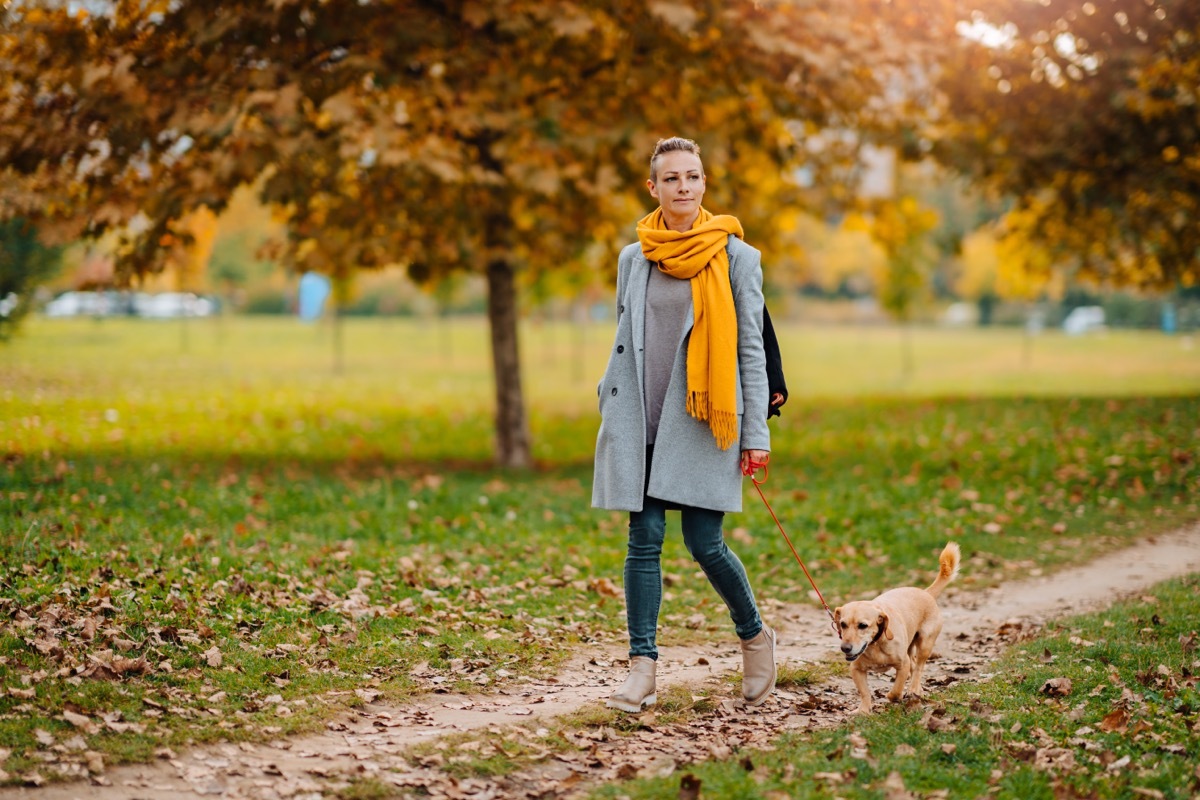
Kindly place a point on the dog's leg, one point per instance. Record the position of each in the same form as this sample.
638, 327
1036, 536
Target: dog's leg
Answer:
914, 684
864, 691
921, 651
903, 670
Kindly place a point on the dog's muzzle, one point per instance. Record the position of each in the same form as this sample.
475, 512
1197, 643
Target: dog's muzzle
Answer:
849, 652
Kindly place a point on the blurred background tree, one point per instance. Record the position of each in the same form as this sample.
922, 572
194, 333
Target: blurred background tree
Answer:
467, 136
889, 156
24, 263
1087, 115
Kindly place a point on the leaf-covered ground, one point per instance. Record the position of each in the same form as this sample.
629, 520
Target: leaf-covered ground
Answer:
1089, 708
225, 547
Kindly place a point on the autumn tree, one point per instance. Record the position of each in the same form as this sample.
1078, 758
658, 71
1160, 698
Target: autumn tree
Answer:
1087, 112
447, 136
24, 264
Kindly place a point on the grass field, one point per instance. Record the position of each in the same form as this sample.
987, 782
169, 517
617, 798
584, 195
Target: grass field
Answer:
206, 523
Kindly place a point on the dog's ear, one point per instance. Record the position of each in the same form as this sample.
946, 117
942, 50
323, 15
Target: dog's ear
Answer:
837, 616
883, 624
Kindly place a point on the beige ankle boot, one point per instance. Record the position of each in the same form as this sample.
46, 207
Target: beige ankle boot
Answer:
638, 691
758, 667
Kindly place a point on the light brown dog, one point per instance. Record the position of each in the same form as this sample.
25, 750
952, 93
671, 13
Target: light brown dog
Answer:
896, 629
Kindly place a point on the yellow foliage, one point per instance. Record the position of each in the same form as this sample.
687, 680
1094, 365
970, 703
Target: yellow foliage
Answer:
194, 236
1025, 269
980, 264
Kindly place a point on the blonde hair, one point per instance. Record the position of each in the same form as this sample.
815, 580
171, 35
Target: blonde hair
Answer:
675, 144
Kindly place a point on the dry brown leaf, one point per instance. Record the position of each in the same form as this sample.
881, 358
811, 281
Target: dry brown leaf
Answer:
1115, 721
604, 587
1054, 758
894, 788
213, 656
1057, 687
123, 666
80, 721
689, 787
95, 762
830, 777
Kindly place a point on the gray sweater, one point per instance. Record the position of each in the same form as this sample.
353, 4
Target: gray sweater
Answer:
668, 301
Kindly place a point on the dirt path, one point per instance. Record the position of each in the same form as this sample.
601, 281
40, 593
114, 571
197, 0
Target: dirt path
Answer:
371, 742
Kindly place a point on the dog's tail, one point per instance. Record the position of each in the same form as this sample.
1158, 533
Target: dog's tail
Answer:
947, 568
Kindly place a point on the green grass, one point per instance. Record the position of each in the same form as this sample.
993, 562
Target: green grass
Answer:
1125, 727
170, 494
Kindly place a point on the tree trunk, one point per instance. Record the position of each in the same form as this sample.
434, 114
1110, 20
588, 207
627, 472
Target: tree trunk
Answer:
512, 429
339, 346
907, 359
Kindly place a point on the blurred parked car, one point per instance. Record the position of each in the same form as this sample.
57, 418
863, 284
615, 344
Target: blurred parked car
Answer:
173, 304
82, 304
1084, 319
139, 304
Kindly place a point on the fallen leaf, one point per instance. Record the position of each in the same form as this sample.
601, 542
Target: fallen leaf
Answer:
689, 787
1115, 721
213, 656
604, 587
894, 788
80, 721
95, 762
1056, 687
1120, 764
829, 777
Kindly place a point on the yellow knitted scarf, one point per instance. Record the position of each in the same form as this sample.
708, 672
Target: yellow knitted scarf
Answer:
699, 255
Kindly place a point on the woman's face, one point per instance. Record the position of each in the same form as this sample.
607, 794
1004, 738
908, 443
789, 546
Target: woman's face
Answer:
679, 187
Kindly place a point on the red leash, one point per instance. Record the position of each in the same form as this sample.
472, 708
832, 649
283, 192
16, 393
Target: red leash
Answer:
749, 472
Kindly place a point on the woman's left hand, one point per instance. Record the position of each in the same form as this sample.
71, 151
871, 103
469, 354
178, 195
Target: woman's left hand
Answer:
753, 459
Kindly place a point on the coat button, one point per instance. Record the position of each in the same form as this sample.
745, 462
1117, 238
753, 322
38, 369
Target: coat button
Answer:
614, 391
620, 348
621, 308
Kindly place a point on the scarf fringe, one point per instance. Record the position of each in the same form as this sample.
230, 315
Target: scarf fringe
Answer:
723, 424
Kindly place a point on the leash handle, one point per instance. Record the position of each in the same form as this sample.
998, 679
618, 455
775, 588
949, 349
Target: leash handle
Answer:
752, 466
748, 470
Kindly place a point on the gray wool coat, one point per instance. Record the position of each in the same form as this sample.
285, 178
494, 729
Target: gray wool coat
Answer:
688, 468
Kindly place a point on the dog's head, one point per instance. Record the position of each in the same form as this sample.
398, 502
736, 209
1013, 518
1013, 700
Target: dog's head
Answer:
859, 625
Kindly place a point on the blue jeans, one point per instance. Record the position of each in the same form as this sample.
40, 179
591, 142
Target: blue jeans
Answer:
643, 572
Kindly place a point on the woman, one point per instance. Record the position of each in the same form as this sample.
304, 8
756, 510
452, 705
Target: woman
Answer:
683, 406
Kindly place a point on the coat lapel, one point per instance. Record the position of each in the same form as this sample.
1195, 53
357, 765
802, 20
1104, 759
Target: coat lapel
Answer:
636, 297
